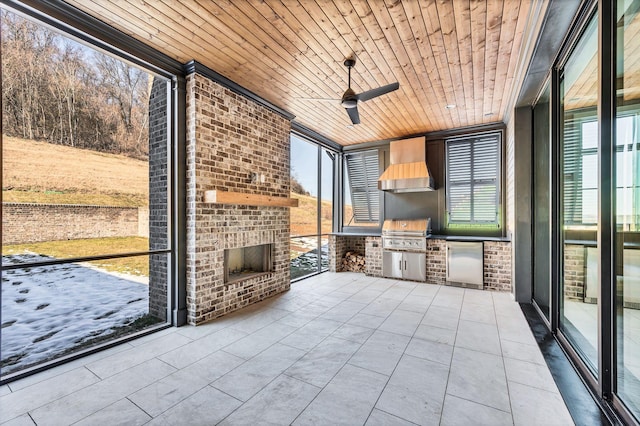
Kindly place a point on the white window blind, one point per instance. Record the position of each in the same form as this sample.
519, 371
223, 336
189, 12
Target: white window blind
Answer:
580, 171
363, 170
473, 180
579, 187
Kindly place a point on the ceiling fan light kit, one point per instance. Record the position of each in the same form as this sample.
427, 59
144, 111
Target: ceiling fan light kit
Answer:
350, 98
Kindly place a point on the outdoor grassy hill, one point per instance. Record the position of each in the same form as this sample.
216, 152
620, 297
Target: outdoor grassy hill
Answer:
40, 172
303, 217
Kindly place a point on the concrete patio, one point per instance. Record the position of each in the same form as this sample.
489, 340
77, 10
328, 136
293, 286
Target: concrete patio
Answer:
336, 349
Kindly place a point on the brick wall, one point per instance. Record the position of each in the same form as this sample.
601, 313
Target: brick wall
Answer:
336, 246
158, 202
574, 271
31, 223
436, 261
497, 265
340, 245
373, 251
497, 259
228, 138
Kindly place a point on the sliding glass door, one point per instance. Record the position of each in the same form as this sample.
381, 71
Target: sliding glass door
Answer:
579, 196
586, 159
627, 206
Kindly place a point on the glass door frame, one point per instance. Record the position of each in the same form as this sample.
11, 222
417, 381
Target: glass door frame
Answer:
557, 214
603, 385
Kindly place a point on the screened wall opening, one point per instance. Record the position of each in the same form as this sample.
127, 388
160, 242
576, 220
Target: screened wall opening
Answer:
362, 201
473, 182
312, 183
85, 197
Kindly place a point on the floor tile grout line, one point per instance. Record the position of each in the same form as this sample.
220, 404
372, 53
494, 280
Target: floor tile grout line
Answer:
306, 352
139, 407
241, 401
479, 403
399, 359
341, 297
393, 415
60, 397
347, 362
504, 366
535, 387
455, 339
167, 409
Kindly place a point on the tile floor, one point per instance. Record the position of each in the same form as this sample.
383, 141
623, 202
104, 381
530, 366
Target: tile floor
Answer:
336, 349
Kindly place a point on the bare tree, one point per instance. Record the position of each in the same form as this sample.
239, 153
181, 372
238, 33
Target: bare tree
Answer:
59, 91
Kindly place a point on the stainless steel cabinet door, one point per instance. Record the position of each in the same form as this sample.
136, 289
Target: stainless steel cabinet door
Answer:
414, 266
465, 262
392, 264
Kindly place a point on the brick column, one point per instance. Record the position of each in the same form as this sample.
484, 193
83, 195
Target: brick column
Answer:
158, 202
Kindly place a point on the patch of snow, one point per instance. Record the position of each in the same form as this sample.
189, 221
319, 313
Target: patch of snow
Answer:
50, 309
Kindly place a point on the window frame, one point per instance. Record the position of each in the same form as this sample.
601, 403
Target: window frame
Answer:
345, 186
484, 228
590, 116
75, 24
324, 154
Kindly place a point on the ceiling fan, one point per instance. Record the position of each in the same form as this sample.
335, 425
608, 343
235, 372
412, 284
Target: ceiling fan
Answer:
350, 98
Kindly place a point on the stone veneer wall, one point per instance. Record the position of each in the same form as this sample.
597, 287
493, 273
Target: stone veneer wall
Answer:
373, 260
228, 138
497, 265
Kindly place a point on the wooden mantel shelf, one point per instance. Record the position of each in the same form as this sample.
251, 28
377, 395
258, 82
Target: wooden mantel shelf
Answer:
227, 197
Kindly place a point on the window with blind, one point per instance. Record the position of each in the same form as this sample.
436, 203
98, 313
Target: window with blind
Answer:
580, 172
362, 200
473, 181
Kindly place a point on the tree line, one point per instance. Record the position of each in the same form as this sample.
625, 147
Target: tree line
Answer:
58, 91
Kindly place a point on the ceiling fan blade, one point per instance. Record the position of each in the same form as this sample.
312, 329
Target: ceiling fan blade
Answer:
353, 115
374, 93
318, 99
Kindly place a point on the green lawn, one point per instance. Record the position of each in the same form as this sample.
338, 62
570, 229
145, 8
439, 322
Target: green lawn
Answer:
74, 197
138, 265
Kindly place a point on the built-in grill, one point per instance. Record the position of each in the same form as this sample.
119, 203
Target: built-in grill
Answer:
406, 234
404, 244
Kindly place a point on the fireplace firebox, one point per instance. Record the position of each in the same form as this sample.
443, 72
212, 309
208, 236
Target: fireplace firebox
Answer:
247, 262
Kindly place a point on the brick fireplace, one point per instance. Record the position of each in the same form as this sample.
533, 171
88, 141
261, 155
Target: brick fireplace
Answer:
230, 139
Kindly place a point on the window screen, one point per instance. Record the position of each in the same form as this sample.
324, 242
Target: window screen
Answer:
363, 173
473, 180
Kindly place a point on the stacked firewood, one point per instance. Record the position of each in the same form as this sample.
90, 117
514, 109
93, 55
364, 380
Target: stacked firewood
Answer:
353, 262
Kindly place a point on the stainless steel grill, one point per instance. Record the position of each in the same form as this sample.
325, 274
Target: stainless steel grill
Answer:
404, 244
400, 234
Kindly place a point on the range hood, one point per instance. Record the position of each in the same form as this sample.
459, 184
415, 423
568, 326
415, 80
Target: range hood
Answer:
408, 171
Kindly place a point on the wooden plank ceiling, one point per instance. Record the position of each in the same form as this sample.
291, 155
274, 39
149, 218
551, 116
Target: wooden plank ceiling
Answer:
442, 52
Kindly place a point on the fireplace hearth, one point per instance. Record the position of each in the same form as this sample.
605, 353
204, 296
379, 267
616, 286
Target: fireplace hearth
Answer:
247, 262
